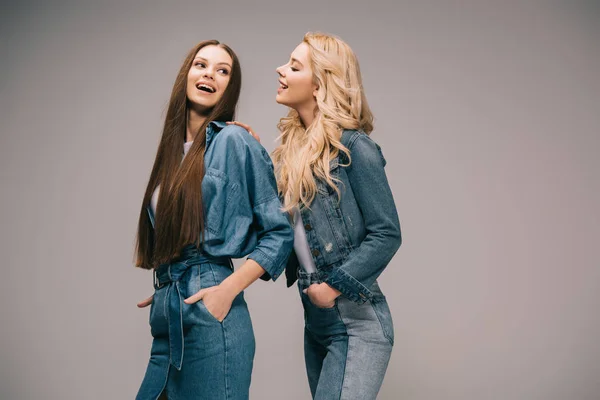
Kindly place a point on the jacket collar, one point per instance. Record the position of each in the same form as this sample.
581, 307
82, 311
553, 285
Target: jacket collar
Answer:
212, 129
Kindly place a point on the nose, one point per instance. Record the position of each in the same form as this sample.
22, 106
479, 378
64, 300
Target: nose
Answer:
279, 71
209, 74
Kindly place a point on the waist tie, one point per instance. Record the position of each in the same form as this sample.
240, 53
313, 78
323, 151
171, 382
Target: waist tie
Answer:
169, 275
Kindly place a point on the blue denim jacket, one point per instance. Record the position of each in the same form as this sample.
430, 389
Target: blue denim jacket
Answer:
242, 208
354, 239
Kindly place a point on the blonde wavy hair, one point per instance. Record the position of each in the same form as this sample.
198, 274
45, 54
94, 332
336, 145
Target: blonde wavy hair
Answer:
305, 152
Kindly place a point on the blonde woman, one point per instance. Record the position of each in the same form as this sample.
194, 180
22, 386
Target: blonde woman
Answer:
331, 180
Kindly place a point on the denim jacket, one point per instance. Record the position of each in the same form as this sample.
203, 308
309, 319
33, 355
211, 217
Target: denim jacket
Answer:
242, 208
354, 239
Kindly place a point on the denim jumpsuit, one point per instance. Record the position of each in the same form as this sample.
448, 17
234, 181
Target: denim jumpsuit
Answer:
351, 239
193, 355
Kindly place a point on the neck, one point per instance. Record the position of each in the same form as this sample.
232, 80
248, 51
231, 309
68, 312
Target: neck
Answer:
194, 122
307, 115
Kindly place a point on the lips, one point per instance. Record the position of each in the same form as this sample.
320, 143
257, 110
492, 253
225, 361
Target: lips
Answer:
206, 87
282, 85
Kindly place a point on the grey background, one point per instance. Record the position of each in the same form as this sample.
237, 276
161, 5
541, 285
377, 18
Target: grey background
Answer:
488, 114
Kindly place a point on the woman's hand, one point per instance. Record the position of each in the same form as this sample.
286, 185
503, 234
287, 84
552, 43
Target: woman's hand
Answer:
246, 127
322, 295
145, 303
217, 300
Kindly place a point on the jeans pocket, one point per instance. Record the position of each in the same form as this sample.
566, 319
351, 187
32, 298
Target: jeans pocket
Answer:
306, 299
382, 310
205, 310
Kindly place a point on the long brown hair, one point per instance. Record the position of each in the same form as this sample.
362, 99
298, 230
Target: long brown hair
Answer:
179, 218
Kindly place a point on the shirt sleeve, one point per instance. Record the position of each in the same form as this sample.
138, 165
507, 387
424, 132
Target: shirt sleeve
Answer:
374, 198
275, 237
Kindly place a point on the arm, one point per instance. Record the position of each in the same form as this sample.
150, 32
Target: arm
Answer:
253, 166
374, 198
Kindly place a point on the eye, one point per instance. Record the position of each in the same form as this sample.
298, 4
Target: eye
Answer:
224, 71
294, 69
199, 64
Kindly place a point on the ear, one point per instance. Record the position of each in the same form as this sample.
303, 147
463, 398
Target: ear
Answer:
315, 90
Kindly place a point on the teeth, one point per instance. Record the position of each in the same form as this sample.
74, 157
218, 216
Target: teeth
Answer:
210, 89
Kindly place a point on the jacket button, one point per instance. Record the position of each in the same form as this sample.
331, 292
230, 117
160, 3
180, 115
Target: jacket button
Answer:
316, 252
307, 227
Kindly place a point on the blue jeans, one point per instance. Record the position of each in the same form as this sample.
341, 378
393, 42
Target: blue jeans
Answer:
193, 355
347, 347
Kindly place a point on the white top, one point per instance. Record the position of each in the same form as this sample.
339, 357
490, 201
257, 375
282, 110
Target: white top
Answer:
154, 200
301, 246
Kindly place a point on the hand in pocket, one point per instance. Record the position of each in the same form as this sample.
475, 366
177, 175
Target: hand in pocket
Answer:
322, 295
216, 299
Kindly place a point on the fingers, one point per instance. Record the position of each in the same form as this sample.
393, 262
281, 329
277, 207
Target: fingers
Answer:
146, 302
245, 126
311, 288
196, 297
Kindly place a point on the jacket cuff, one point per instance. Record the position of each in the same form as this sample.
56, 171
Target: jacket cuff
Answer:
349, 286
272, 269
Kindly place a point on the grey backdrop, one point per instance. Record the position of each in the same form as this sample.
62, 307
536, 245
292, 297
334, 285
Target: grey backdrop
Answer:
488, 114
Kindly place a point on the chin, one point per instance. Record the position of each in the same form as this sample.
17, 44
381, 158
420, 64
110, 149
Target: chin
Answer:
201, 105
281, 101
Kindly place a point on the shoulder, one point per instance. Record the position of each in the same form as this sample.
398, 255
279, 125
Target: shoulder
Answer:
362, 147
234, 136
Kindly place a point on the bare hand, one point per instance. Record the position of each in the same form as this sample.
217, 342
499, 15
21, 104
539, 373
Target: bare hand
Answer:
322, 295
246, 127
145, 303
216, 299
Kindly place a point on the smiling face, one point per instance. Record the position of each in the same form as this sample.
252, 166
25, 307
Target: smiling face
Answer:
208, 77
296, 84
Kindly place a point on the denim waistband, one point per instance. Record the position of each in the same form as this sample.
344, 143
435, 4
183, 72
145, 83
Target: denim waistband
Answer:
168, 276
305, 279
190, 255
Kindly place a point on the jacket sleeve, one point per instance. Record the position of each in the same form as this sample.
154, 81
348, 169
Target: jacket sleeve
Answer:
374, 198
275, 236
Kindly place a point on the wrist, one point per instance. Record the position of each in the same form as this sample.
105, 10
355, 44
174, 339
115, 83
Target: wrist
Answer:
230, 288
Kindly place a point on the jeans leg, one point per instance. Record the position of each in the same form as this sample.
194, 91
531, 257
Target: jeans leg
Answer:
314, 354
368, 353
333, 373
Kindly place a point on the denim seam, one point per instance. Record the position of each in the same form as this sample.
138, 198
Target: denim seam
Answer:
180, 324
168, 314
258, 203
347, 350
353, 139
227, 388
380, 323
212, 272
265, 255
164, 386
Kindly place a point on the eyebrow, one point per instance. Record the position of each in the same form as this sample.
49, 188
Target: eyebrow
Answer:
204, 59
294, 60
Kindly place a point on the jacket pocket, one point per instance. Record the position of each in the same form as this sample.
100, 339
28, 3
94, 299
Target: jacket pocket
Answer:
221, 192
334, 171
